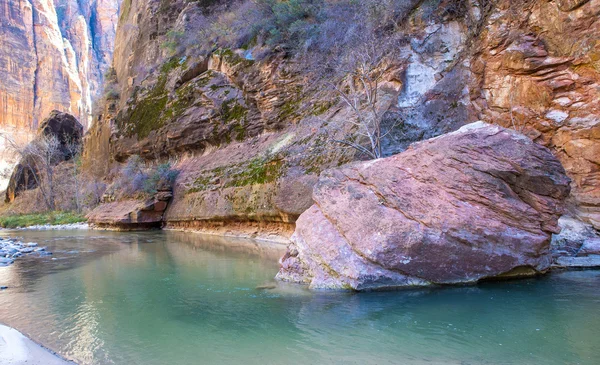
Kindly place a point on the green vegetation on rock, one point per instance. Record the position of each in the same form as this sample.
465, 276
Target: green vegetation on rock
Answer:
258, 171
149, 112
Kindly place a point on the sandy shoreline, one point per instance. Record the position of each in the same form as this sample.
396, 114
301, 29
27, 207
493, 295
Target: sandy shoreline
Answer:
16, 349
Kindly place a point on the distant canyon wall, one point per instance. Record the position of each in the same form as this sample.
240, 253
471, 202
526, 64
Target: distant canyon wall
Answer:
53, 55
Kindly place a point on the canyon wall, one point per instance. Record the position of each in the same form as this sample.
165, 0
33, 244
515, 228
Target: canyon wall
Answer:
250, 137
53, 56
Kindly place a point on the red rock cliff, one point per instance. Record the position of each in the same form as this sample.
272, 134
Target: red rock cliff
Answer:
53, 55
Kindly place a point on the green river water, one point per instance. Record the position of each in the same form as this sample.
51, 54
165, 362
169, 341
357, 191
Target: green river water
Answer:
180, 298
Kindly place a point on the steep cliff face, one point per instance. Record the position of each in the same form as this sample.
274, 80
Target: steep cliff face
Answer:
53, 55
251, 136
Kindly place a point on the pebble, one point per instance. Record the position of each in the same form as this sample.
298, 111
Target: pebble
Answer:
3, 287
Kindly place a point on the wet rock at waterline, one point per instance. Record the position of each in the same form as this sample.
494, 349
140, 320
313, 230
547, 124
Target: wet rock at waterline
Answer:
478, 203
131, 214
11, 249
577, 246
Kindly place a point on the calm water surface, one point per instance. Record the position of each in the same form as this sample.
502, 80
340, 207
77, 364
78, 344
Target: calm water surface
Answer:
176, 298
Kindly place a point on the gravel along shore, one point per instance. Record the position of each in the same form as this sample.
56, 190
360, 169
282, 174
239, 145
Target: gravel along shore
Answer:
56, 227
16, 349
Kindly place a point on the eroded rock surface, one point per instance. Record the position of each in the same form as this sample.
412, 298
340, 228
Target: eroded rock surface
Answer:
478, 203
130, 214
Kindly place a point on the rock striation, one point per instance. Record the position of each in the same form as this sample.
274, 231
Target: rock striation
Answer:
475, 204
543, 78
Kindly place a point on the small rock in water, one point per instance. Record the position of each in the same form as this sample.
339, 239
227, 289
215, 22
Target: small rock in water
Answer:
32, 244
4, 261
27, 250
269, 286
40, 249
3, 287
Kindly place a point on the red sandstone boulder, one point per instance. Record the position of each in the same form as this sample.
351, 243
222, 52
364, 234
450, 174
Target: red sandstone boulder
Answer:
478, 203
130, 214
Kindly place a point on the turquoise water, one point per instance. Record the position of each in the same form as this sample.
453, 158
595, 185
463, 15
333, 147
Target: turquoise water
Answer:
176, 298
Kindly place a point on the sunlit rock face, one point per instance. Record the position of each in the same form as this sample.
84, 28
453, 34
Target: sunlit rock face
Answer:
53, 55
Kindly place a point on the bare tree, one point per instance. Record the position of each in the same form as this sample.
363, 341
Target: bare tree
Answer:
364, 69
40, 157
73, 149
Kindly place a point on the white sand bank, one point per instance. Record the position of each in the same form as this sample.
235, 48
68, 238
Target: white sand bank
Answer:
16, 349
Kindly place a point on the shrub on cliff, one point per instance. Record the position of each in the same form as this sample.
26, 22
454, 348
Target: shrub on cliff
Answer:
311, 25
136, 180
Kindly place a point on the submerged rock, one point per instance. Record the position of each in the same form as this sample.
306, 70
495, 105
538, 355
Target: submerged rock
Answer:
478, 203
11, 249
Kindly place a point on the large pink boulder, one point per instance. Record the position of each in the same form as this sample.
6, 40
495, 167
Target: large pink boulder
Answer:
478, 203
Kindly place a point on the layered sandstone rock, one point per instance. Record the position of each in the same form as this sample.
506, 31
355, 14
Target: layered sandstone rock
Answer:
540, 74
529, 66
130, 214
475, 204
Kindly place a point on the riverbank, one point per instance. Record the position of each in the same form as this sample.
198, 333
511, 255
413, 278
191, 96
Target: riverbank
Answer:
39, 220
54, 227
16, 349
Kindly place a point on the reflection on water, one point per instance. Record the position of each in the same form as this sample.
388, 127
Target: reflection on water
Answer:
180, 298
